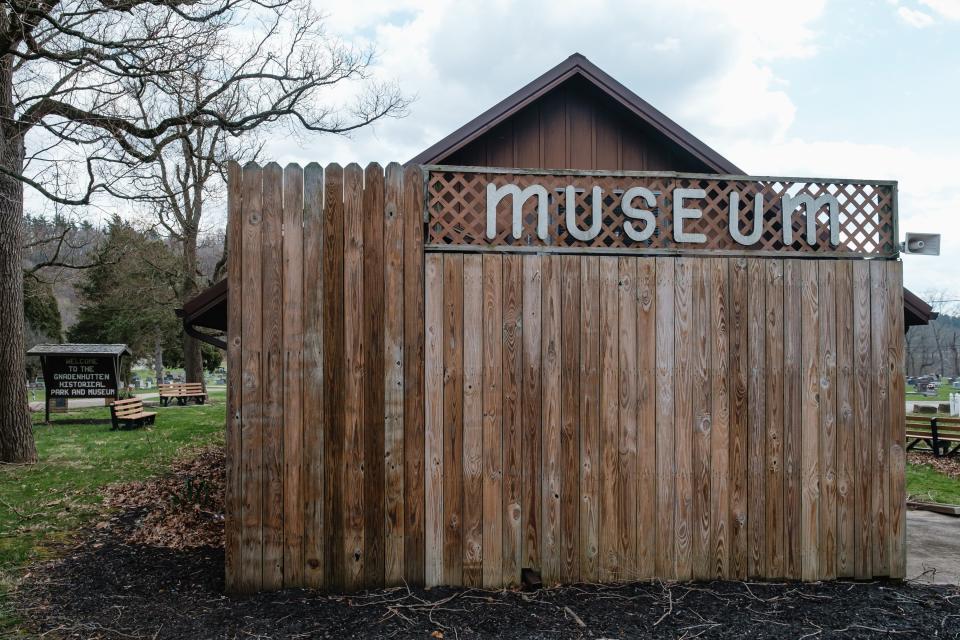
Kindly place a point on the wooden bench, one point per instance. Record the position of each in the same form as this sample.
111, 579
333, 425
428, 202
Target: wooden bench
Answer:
182, 392
127, 414
940, 434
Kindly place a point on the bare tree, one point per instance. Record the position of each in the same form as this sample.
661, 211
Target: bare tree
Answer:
71, 129
911, 341
943, 303
184, 178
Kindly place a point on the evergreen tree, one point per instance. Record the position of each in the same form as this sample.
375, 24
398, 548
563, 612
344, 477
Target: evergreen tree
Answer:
40, 310
129, 297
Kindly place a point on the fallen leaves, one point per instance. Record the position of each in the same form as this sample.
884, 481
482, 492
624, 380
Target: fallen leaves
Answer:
947, 466
181, 509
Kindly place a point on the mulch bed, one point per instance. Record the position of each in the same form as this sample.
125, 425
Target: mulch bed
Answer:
143, 574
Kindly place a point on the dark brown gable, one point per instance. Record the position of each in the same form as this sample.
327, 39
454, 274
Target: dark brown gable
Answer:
575, 116
576, 126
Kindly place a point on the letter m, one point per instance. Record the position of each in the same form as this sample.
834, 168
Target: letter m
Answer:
789, 204
495, 195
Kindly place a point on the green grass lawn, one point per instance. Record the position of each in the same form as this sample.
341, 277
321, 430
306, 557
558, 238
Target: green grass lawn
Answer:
943, 394
45, 503
929, 485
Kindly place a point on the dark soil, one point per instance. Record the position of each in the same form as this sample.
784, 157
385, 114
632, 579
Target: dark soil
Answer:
114, 585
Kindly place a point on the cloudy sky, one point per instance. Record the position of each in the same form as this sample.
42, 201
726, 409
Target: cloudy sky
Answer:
866, 89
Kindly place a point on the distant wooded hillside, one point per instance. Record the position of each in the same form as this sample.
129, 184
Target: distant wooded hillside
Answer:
935, 348
58, 256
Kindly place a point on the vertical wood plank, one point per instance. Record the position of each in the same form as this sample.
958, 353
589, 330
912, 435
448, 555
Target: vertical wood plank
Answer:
251, 542
233, 489
846, 448
372, 322
413, 377
739, 415
550, 385
314, 423
512, 423
720, 410
897, 463
531, 412
666, 469
702, 426
527, 146
589, 417
880, 410
493, 371
555, 145
792, 406
646, 417
473, 427
773, 394
293, 392
756, 479
683, 416
353, 479
828, 418
570, 420
810, 422
862, 420
453, 420
272, 376
433, 419
393, 381
627, 396
609, 420
333, 349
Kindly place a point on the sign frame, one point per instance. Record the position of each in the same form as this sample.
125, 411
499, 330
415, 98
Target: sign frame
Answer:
100, 363
891, 252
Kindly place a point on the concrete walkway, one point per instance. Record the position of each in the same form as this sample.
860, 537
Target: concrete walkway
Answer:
933, 547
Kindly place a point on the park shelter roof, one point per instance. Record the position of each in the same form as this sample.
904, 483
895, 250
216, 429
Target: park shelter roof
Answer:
208, 309
76, 349
916, 311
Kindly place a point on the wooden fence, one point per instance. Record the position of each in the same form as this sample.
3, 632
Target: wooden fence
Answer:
399, 414
325, 349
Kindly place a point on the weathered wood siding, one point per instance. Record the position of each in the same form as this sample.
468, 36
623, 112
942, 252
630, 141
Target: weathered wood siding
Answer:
452, 418
326, 351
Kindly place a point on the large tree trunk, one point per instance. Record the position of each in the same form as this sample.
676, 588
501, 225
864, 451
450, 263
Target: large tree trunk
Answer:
16, 432
158, 357
192, 358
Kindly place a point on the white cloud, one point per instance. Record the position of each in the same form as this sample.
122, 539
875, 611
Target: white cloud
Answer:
949, 9
667, 44
700, 62
914, 17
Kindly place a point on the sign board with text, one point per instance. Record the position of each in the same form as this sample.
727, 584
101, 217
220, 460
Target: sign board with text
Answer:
79, 371
513, 210
80, 376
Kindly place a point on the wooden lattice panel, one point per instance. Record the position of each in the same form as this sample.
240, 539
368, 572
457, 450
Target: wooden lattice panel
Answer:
457, 207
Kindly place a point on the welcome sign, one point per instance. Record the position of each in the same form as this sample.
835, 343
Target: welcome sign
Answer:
489, 209
80, 377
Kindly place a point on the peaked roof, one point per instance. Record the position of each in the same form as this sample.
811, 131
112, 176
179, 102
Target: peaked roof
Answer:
77, 349
576, 65
916, 310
